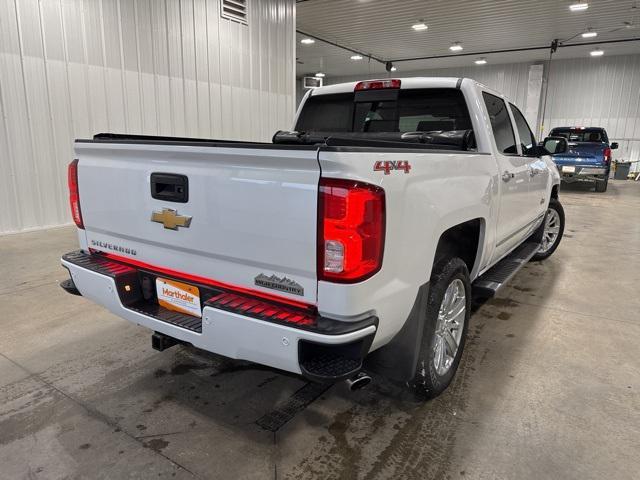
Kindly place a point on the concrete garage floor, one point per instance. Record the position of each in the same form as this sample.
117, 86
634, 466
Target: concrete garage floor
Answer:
549, 386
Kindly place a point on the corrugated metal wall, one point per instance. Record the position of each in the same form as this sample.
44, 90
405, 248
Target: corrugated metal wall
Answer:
602, 92
72, 68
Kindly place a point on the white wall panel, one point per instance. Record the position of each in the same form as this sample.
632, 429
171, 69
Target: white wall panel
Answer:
73, 68
602, 92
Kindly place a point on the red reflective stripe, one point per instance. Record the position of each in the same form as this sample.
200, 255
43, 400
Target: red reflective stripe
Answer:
206, 281
228, 298
250, 306
236, 302
247, 305
217, 297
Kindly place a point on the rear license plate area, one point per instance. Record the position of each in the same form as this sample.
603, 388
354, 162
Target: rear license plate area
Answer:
178, 296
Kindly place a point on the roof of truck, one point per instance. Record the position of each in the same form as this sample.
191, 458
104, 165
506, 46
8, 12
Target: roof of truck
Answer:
579, 128
408, 82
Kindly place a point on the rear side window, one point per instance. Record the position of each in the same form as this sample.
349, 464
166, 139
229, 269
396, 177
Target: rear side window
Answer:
410, 110
527, 139
327, 113
500, 124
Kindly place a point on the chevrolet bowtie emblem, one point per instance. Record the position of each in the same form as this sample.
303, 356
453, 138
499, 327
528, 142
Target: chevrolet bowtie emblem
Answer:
170, 219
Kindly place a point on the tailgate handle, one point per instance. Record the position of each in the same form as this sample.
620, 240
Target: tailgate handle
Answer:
170, 187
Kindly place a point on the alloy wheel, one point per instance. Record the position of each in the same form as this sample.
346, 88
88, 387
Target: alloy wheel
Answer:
551, 230
449, 327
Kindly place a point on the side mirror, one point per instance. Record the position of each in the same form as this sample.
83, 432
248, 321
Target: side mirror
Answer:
613, 146
555, 145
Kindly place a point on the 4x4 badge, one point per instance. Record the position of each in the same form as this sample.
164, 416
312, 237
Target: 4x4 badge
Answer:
388, 165
170, 219
283, 284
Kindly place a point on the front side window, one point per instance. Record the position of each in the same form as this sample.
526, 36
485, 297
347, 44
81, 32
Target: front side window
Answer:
500, 124
527, 140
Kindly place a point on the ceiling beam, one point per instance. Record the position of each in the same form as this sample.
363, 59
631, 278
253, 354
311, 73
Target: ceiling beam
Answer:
512, 50
348, 49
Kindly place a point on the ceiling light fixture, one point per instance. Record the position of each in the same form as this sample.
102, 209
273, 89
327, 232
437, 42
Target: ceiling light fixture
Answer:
589, 34
597, 52
456, 47
481, 61
307, 41
356, 57
320, 75
578, 7
419, 26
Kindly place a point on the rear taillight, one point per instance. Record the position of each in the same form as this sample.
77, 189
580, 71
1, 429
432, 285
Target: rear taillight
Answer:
351, 229
74, 194
607, 155
377, 84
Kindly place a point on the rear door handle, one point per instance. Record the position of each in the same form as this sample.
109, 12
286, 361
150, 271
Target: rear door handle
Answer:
507, 175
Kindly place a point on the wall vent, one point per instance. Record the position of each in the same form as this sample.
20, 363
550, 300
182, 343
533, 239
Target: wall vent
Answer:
235, 10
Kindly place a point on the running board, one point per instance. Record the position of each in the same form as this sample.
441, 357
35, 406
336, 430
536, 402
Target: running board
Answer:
497, 276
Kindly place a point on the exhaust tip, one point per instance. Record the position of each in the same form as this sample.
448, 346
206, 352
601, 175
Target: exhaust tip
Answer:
359, 381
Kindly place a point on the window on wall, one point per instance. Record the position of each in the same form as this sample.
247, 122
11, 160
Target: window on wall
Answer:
235, 10
500, 124
527, 140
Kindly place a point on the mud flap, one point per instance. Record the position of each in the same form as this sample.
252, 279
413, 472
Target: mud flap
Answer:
398, 359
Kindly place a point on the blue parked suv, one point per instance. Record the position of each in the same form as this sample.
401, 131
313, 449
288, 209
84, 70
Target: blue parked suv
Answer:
588, 155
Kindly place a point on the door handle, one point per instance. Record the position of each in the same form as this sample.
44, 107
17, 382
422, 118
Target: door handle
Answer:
506, 176
533, 172
170, 187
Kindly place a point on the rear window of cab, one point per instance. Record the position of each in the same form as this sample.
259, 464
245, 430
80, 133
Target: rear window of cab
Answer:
580, 134
408, 110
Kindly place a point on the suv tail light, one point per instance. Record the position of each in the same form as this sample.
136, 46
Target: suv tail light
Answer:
351, 230
74, 194
607, 155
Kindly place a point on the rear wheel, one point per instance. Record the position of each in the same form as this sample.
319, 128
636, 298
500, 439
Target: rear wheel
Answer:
445, 328
601, 185
552, 230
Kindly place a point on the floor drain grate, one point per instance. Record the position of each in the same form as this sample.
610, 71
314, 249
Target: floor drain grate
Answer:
297, 402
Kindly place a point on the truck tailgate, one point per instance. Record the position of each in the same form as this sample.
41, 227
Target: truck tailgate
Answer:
582, 154
252, 208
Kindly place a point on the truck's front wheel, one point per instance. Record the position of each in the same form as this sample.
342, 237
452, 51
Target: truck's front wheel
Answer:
445, 328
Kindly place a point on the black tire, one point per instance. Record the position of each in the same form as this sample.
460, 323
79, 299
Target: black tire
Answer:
428, 382
601, 185
554, 204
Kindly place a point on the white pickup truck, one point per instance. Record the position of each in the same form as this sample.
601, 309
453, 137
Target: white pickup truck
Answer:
351, 244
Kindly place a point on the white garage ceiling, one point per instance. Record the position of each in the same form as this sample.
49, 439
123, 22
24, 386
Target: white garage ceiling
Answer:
382, 29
